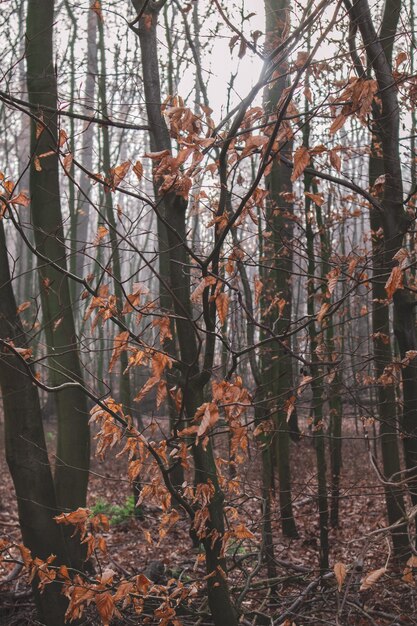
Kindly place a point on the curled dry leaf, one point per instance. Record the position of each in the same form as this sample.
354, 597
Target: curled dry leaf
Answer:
23, 307
258, 289
335, 160
118, 173
101, 233
338, 123
198, 291
21, 199
301, 160
209, 413
306, 380
317, 198
372, 578
241, 532
222, 306
340, 573
138, 170
323, 310
67, 162
63, 137
394, 282
402, 257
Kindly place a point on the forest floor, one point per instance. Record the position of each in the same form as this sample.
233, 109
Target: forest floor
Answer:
302, 596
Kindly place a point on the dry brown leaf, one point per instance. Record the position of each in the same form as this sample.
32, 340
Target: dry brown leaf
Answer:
323, 310
151, 382
23, 307
301, 160
317, 198
340, 573
338, 123
118, 173
306, 380
241, 532
335, 159
394, 282
222, 306
67, 162
258, 289
63, 137
101, 233
400, 58
105, 607
402, 257
198, 291
21, 199
372, 578
209, 413
138, 169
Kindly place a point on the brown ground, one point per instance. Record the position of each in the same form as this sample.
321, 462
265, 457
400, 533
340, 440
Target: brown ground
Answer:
389, 602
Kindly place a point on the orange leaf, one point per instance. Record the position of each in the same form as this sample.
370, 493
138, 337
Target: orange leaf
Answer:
151, 382
394, 282
222, 305
323, 310
22, 199
75, 517
210, 416
241, 532
138, 169
198, 291
258, 290
157, 155
96, 7
340, 573
335, 159
301, 160
317, 198
338, 123
63, 137
161, 393
105, 607
118, 173
67, 162
142, 584
101, 233
23, 307
372, 578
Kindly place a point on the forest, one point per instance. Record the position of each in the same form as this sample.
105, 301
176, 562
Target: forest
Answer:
208, 286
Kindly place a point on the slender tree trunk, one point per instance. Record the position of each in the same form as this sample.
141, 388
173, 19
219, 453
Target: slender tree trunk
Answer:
82, 208
159, 140
173, 263
385, 160
73, 448
26, 452
278, 255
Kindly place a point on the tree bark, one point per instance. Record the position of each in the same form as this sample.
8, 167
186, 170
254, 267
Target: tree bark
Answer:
395, 224
73, 447
173, 263
277, 366
26, 452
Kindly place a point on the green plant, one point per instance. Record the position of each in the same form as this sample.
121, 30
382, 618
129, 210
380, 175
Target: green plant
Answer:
116, 513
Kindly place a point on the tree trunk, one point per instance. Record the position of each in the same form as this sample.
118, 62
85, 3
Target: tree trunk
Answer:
277, 368
159, 140
173, 264
26, 452
73, 448
395, 224
82, 208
